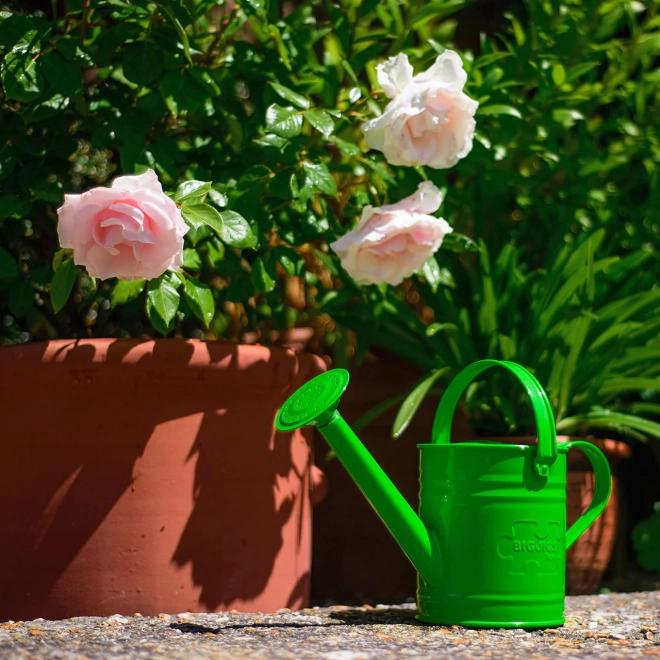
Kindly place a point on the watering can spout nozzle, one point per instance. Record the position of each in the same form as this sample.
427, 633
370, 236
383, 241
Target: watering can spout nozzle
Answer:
315, 404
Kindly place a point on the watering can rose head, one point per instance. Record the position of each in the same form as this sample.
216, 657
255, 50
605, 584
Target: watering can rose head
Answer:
430, 120
131, 230
392, 242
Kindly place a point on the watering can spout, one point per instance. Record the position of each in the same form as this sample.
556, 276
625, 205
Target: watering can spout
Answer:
315, 404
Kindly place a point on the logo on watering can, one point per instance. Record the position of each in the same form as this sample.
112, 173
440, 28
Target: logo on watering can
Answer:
532, 548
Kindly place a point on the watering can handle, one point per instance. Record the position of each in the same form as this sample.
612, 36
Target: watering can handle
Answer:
546, 453
603, 479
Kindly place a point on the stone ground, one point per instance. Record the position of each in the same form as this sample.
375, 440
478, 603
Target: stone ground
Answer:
606, 626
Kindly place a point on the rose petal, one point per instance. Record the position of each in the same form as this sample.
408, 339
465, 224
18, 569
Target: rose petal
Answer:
147, 181
446, 70
395, 75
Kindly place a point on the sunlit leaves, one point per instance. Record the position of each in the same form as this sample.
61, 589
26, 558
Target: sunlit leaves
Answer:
321, 121
495, 110
319, 178
200, 299
162, 298
125, 291
285, 122
21, 78
236, 231
291, 96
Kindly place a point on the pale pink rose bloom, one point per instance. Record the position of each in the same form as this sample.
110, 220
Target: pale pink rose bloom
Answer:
131, 230
392, 242
430, 120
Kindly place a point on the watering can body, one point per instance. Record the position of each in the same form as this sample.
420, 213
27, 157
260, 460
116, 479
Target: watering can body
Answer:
490, 540
500, 530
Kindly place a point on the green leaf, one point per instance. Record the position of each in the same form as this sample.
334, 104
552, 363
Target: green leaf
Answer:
435, 276
493, 110
58, 257
272, 140
191, 259
157, 322
282, 50
319, 178
606, 419
435, 328
291, 96
558, 74
645, 408
262, 276
21, 79
181, 32
142, 62
566, 116
413, 401
620, 384
203, 214
347, 148
518, 31
8, 267
63, 75
285, 122
163, 297
191, 190
200, 299
321, 121
459, 243
63, 281
236, 230
434, 11
254, 174
580, 69
123, 292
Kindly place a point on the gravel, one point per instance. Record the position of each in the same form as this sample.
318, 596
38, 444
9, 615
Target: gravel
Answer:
606, 626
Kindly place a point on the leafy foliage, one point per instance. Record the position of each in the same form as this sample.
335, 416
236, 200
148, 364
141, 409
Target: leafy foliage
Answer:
254, 109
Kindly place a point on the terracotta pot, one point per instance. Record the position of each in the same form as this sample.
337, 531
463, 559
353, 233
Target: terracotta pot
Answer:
589, 557
147, 477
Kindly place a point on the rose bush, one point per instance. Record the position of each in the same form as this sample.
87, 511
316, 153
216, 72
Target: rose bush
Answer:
392, 242
131, 230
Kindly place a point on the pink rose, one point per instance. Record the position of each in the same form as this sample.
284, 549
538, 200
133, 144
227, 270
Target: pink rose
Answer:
131, 230
392, 242
430, 120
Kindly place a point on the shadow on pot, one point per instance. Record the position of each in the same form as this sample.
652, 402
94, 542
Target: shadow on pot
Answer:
146, 476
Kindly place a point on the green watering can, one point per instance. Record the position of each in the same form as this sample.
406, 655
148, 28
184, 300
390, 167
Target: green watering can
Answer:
490, 541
